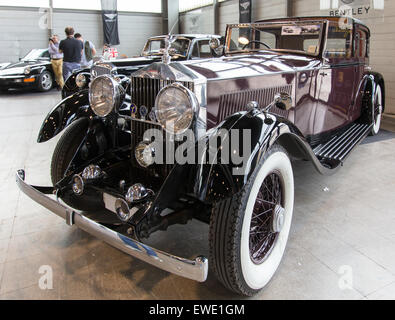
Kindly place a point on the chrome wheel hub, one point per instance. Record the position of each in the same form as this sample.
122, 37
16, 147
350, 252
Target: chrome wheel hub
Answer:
278, 218
46, 81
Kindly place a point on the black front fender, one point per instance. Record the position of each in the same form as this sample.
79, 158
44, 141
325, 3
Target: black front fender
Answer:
211, 182
63, 114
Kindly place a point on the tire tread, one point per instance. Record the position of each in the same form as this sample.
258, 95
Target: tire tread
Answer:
225, 228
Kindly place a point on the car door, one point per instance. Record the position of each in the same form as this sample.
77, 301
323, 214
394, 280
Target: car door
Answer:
337, 79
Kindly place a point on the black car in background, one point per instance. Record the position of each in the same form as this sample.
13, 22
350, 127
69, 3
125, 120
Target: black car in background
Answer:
32, 71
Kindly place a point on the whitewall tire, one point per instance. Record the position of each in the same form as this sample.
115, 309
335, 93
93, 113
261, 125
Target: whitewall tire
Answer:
248, 236
377, 110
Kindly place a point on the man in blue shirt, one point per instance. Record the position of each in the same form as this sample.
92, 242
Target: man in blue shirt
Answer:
88, 53
72, 53
56, 60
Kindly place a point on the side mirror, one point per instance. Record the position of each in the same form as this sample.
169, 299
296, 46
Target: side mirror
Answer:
283, 101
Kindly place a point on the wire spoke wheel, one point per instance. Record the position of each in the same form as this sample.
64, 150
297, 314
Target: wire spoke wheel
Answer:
377, 110
249, 231
263, 231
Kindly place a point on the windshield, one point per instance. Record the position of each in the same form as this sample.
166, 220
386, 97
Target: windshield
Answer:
35, 54
301, 37
156, 46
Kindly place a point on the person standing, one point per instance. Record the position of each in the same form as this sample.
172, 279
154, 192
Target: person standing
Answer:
88, 52
56, 60
72, 53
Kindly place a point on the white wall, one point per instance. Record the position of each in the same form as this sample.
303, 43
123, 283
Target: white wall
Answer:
20, 29
203, 19
197, 21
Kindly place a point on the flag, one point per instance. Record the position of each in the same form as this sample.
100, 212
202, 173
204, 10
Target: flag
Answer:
110, 22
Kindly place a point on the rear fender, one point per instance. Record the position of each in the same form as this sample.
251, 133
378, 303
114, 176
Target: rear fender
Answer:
379, 80
63, 114
365, 97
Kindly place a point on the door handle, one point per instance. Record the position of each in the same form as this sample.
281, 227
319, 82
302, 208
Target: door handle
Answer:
324, 74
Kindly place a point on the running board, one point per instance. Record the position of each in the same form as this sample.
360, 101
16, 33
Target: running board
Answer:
340, 146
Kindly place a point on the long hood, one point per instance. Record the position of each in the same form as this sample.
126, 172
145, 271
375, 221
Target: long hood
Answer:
135, 61
138, 62
23, 64
251, 65
174, 71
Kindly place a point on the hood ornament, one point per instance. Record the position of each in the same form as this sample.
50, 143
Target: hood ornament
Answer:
166, 57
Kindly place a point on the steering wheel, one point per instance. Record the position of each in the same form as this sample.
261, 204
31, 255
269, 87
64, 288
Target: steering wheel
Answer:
256, 41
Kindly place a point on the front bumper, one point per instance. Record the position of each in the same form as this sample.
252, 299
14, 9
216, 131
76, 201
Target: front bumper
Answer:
18, 81
192, 269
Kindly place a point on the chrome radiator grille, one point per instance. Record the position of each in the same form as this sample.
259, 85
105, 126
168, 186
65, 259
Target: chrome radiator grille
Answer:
145, 90
231, 103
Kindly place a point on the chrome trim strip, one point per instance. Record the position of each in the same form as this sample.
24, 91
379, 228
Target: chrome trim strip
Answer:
13, 77
192, 269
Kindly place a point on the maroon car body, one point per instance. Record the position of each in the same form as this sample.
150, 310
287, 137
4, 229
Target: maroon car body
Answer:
327, 90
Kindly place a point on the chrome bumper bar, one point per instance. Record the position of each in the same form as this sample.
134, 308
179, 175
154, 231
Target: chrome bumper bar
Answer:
192, 269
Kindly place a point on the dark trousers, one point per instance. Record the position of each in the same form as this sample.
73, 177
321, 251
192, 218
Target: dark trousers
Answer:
68, 68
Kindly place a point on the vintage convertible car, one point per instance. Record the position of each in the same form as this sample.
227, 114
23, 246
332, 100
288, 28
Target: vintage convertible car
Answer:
32, 71
183, 47
233, 124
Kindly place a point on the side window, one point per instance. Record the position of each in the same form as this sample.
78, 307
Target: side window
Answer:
45, 54
361, 44
201, 49
195, 51
339, 43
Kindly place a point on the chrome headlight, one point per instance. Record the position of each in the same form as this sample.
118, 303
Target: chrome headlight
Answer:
104, 95
27, 70
80, 80
175, 108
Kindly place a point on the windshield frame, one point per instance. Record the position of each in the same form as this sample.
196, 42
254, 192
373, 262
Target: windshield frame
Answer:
145, 53
229, 27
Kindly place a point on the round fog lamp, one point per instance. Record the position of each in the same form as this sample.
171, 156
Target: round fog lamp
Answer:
91, 172
136, 192
80, 80
122, 210
145, 154
78, 185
